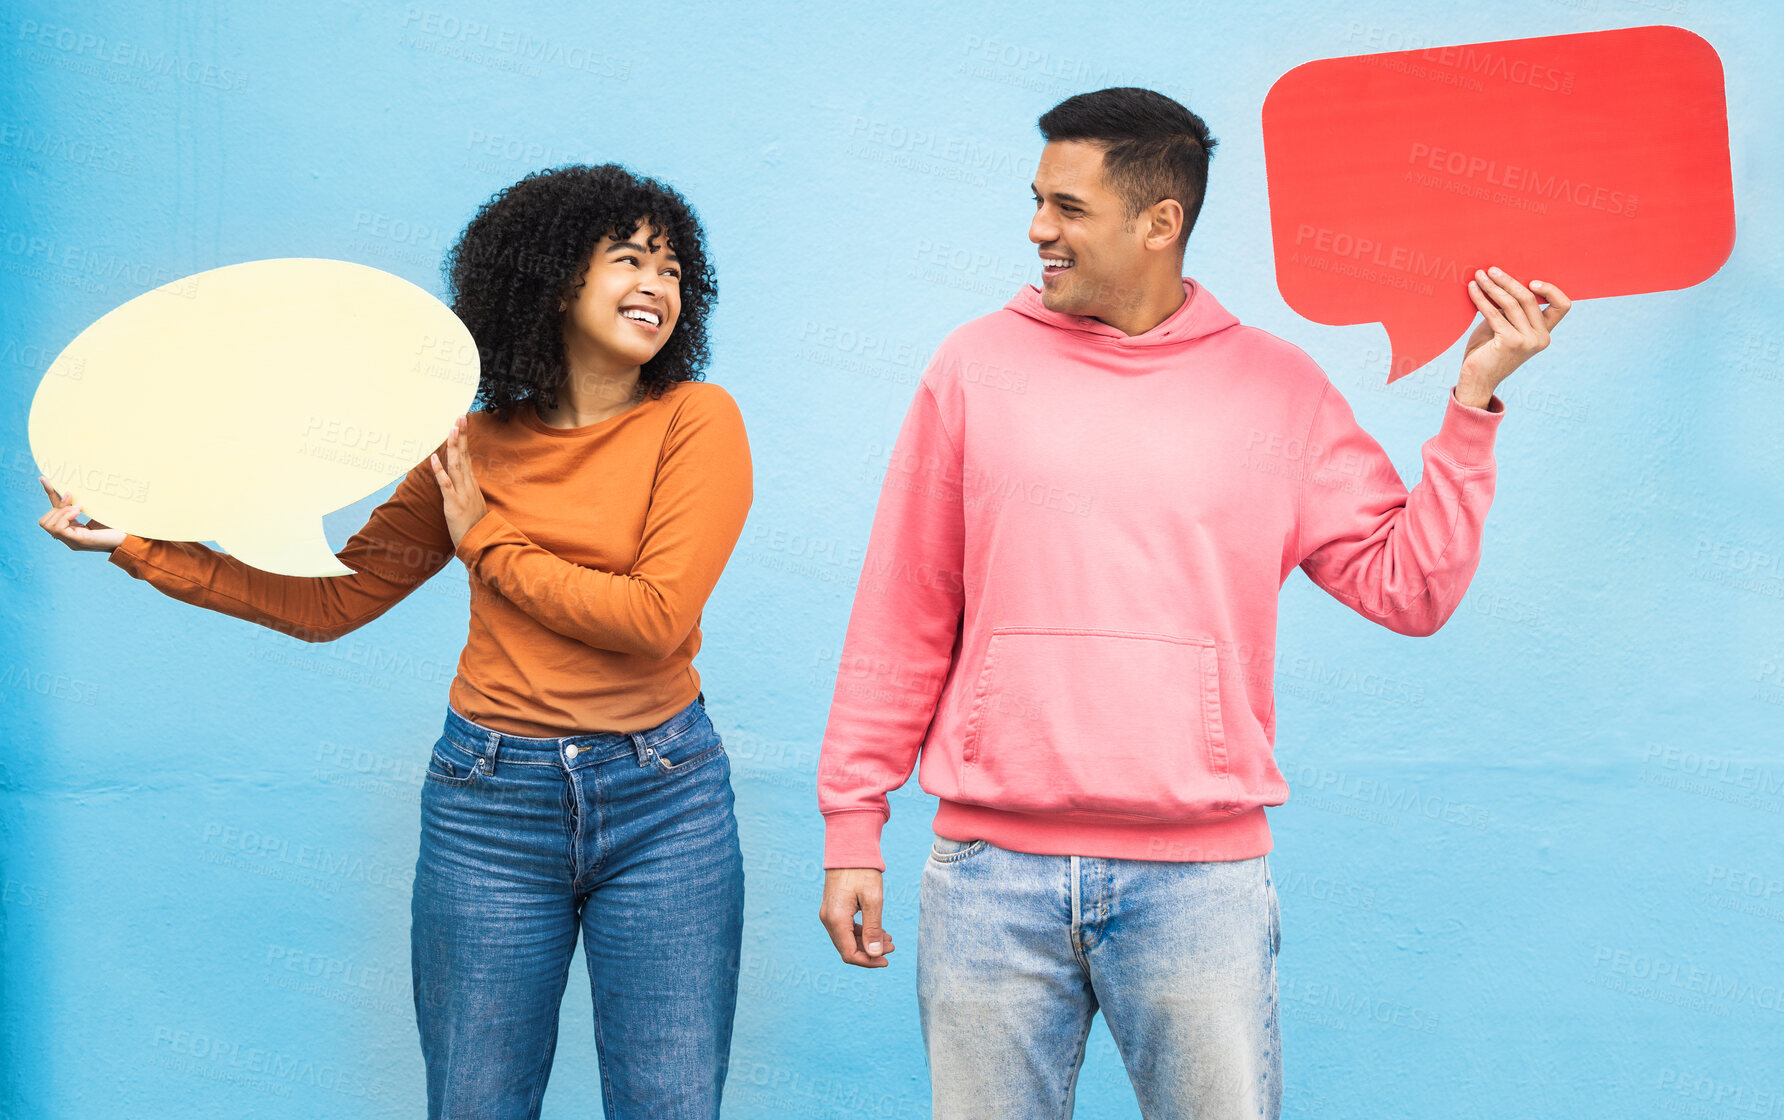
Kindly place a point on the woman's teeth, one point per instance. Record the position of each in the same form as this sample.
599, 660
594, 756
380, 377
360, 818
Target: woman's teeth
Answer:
642, 317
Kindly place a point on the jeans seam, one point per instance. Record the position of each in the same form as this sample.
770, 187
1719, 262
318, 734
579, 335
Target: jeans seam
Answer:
1102, 907
572, 826
1071, 1077
607, 1108
537, 1097
509, 760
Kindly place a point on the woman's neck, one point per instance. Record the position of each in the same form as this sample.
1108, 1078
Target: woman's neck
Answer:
589, 396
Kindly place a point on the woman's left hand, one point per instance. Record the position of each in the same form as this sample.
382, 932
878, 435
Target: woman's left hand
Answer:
458, 486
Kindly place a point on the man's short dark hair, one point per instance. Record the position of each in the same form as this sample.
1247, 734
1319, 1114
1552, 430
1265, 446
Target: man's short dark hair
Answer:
1153, 148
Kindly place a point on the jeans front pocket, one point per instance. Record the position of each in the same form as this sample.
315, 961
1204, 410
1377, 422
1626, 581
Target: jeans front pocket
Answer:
1099, 721
686, 750
452, 764
944, 850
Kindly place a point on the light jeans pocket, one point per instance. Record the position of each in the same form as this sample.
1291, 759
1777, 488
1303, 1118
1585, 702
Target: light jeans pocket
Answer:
944, 850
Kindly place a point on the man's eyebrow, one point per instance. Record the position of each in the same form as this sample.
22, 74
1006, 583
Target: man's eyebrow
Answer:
637, 248
1060, 195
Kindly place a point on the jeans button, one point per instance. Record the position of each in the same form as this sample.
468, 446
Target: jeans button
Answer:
571, 751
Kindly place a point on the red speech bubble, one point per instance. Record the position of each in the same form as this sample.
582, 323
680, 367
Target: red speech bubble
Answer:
1598, 162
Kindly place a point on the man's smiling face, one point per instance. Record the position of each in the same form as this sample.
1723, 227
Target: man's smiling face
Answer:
1090, 253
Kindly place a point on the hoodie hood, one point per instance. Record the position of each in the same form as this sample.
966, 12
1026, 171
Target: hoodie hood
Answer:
1200, 315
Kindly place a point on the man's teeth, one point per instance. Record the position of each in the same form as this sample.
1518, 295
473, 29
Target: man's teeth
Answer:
642, 317
1055, 265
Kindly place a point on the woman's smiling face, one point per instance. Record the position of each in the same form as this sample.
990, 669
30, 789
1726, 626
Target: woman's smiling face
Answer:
629, 281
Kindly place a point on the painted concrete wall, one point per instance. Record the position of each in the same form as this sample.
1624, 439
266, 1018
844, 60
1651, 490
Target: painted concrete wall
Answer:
1530, 865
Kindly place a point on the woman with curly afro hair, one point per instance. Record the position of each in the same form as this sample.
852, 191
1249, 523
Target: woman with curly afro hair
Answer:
578, 786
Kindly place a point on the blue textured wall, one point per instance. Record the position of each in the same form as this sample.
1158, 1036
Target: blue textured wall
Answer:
1531, 864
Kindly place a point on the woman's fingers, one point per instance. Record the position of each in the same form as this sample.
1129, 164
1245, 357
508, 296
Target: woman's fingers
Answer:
56, 522
461, 437
440, 476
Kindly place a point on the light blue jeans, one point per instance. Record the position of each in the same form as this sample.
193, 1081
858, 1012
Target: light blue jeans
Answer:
1017, 952
629, 839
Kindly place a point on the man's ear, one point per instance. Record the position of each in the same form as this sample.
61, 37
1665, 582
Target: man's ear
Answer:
1163, 224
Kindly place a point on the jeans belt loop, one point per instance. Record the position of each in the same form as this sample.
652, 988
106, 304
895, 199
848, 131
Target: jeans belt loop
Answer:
489, 752
640, 747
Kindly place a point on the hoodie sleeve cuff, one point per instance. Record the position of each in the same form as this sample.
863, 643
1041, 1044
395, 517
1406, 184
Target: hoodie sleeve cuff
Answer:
1466, 437
852, 839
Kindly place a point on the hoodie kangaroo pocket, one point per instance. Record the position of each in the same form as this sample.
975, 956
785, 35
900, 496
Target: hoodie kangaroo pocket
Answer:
1098, 721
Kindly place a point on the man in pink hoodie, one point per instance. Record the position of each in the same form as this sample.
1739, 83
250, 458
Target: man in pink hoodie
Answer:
1068, 612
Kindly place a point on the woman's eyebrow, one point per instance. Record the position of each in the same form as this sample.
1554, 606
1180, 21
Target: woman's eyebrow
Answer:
635, 247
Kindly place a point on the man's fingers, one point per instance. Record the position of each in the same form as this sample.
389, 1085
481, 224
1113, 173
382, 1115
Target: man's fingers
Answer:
1488, 309
1558, 303
864, 944
840, 925
871, 958
1509, 307
874, 940
1526, 300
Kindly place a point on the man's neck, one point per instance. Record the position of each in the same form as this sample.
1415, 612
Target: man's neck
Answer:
1156, 303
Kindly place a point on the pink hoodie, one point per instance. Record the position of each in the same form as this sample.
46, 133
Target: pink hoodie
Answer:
1068, 602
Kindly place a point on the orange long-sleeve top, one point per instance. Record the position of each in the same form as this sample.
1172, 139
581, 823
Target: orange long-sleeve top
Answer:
589, 573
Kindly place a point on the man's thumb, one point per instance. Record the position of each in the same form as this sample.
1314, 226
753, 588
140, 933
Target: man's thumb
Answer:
873, 938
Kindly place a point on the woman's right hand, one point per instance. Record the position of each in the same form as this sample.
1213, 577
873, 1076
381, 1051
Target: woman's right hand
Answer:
60, 523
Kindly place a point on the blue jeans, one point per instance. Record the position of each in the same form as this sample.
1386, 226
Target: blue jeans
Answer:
1016, 953
628, 838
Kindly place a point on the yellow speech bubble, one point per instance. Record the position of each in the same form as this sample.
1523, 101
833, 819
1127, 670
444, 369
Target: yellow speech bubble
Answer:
242, 403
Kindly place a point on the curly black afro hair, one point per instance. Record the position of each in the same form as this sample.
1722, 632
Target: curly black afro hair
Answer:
529, 247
